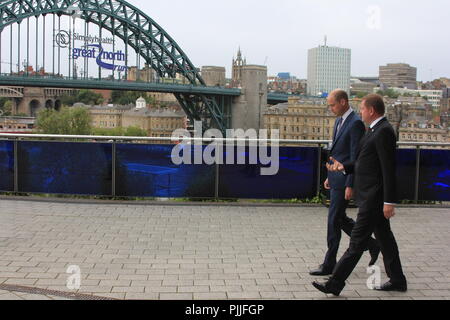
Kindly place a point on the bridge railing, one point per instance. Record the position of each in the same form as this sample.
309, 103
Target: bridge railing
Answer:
158, 85
145, 167
171, 81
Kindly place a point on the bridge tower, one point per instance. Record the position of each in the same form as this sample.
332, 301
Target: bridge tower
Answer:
249, 107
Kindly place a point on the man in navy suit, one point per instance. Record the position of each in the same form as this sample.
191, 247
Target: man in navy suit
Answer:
375, 195
348, 131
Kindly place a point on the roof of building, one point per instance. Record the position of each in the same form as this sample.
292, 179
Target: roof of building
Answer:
18, 120
114, 107
422, 122
162, 113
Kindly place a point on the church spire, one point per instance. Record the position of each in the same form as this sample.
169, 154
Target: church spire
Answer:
238, 64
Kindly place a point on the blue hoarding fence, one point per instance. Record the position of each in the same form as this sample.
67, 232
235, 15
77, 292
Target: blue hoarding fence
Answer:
144, 167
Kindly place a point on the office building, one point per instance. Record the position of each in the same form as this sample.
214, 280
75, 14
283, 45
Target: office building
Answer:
398, 75
329, 68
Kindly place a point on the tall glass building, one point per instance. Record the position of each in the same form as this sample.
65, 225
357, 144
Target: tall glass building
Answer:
329, 68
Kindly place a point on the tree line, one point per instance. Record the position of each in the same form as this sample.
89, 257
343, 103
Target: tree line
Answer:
77, 121
118, 97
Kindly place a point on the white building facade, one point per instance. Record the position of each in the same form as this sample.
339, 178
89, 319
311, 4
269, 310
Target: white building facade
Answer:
434, 97
329, 68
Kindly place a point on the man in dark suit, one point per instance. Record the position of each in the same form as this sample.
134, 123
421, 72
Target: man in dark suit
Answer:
348, 131
375, 194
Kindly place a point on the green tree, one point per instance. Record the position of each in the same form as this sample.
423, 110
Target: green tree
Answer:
129, 97
2, 102
79, 121
135, 132
89, 97
391, 93
361, 95
7, 107
85, 96
68, 100
69, 121
122, 132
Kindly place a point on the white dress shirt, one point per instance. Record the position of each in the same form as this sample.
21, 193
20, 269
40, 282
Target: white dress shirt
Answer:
373, 124
344, 117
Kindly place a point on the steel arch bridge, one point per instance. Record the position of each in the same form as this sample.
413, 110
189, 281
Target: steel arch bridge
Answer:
138, 31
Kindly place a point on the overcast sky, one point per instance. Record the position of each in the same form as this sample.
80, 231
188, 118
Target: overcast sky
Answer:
377, 31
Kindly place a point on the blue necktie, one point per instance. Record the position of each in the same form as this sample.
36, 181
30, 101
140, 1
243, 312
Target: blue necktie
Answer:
338, 127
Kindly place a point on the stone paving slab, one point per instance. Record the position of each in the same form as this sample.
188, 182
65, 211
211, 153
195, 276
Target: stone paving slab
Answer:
165, 252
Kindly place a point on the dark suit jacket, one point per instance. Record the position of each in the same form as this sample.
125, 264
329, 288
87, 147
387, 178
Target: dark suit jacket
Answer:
374, 168
345, 148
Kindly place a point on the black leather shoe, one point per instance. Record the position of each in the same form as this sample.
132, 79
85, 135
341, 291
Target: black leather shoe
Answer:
326, 288
389, 286
321, 271
374, 253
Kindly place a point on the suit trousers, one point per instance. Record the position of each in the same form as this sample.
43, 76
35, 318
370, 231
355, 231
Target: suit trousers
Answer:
338, 221
368, 222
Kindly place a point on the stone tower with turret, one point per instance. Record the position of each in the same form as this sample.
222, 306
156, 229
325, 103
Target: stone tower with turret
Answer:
238, 65
248, 109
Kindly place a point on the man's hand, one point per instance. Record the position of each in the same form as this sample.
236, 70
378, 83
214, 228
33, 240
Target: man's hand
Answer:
326, 185
348, 193
336, 166
389, 211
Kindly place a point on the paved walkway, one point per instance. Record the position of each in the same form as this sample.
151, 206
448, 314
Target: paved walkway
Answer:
14, 295
199, 252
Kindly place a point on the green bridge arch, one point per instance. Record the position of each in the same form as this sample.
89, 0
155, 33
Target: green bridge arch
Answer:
140, 32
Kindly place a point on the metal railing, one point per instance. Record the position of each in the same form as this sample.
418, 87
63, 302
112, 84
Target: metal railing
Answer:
320, 144
158, 85
417, 146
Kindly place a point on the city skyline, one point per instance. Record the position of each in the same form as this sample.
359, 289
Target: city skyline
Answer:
279, 34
